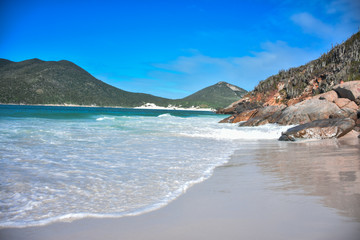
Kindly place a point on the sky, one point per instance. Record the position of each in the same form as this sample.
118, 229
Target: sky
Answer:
173, 48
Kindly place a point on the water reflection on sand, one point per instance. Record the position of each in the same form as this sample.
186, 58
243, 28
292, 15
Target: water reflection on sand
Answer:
329, 169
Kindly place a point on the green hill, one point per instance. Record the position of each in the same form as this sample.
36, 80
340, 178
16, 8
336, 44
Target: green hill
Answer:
215, 96
62, 82
49, 82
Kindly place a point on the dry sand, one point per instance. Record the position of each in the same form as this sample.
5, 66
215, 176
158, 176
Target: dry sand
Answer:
268, 190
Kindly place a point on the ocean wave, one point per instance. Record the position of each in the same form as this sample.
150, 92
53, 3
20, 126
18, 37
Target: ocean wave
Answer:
269, 131
166, 115
105, 118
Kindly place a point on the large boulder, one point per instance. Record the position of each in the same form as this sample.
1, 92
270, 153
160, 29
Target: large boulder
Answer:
307, 111
331, 96
319, 129
246, 105
239, 107
264, 115
349, 90
245, 115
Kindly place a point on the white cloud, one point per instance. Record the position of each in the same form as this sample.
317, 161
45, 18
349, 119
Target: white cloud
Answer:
311, 25
192, 73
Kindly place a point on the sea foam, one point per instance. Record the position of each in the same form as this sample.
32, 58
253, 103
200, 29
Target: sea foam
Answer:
108, 165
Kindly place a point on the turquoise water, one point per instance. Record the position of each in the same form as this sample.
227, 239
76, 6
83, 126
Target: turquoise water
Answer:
63, 163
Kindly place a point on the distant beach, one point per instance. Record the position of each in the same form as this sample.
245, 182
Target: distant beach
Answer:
145, 106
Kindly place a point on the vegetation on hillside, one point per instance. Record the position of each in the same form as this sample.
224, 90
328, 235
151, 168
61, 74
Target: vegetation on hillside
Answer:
215, 96
49, 82
341, 63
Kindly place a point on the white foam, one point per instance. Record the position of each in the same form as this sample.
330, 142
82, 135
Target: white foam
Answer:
105, 118
115, 168
165, 115
269, 131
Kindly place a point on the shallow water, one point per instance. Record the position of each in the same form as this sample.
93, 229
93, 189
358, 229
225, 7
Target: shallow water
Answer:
61, 163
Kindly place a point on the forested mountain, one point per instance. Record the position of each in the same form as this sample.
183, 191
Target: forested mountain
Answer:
62, 82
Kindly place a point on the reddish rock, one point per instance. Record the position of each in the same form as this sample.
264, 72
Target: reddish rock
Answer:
245, 116
346, 103
293, 101
228, 110
319, 129
331, 96
264, 115
228, 119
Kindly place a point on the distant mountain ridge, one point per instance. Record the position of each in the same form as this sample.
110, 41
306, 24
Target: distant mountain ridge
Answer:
62, 82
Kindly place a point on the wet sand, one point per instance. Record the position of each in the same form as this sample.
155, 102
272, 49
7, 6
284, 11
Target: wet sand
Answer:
268, 190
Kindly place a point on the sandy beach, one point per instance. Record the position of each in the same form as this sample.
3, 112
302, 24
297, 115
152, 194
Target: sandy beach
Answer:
267, 190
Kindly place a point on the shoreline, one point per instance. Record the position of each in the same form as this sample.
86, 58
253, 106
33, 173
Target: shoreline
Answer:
267, 190
116, 107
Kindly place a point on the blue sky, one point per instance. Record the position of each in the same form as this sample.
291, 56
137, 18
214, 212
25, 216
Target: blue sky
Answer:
174, 48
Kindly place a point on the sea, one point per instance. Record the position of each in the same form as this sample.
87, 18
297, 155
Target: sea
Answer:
65, 163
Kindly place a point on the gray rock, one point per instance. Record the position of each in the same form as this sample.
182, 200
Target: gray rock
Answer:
307, 111
319, 129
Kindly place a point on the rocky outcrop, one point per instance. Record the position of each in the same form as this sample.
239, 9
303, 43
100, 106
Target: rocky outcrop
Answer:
244, 116
323, 90
340, 64
319, 129
307, 111
328, 115
239, 107
264, 115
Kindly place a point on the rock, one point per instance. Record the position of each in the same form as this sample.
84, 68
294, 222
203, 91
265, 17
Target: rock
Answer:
349, 90
345, 113
245, 116
307, 111
245, 105
346, 103
228, 119
358, 122
264, 115
331, 96
228, 110
239, 107
319, 129
357, 125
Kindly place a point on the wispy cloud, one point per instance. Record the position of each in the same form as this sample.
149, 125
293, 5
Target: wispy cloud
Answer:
192, 73
312, 25
340, 19
349, 9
